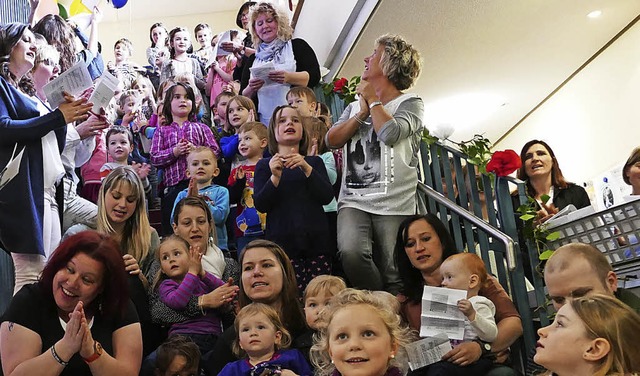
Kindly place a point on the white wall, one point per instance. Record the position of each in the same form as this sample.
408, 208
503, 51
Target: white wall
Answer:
593, 122
320, 23
137, 31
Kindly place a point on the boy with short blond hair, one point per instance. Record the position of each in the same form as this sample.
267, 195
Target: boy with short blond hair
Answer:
303, 99
250, 223
202, 167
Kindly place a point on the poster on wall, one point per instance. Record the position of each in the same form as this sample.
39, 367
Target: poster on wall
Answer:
609, 188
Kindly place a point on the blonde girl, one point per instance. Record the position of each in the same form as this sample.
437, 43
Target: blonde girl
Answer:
122, 212
291, 188
360, 320
264, 341
595, 335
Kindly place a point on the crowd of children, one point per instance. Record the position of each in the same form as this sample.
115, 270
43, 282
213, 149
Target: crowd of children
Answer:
182, 140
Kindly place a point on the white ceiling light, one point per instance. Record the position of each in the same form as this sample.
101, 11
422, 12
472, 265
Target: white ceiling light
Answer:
595, 14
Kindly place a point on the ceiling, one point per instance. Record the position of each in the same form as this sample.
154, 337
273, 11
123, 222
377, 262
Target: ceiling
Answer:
488, 63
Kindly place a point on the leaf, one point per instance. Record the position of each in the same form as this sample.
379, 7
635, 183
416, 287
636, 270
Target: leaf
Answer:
544, 198
545, 255
527, 217
553, 236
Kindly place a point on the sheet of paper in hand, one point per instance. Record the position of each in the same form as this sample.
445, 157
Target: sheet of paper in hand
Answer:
440, 313
427, 351
74, 81
105, 88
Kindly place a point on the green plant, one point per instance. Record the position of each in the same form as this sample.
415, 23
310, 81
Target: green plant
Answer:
539, 235
477, 150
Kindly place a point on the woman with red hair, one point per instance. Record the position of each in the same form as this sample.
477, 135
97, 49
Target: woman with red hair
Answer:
78, 319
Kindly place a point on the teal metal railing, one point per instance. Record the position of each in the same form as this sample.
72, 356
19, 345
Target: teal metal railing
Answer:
482, 220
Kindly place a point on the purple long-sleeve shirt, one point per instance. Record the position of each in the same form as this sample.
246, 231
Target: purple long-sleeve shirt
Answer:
167, 137
176, 295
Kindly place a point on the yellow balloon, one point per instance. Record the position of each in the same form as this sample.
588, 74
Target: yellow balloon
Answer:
77, 7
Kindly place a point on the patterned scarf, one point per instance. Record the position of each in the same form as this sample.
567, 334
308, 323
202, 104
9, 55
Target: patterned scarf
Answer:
270, 51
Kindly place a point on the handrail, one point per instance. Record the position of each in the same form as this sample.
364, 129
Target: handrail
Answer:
481, 223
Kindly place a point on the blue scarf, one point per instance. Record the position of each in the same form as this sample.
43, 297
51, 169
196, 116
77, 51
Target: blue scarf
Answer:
270, 51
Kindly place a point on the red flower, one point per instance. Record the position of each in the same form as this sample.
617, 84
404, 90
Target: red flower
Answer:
504, 163
338, 85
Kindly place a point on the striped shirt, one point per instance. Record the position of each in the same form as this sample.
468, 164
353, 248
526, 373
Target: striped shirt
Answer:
167, 137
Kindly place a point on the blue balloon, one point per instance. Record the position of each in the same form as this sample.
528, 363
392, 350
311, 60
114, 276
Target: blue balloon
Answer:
119, 3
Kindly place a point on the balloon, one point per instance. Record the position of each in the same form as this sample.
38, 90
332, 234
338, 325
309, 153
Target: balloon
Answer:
77, 7
118, 3
63, 11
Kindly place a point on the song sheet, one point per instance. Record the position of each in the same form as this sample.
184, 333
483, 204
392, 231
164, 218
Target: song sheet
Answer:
427, 351
74, 81
440, 313
105, 88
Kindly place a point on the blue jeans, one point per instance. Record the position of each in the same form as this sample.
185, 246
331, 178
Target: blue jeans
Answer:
365, 245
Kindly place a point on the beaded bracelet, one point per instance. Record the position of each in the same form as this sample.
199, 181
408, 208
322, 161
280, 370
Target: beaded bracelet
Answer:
57, 357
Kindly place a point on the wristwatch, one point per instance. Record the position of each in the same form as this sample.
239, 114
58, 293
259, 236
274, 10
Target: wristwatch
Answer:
373, 104
484, 346
97, 351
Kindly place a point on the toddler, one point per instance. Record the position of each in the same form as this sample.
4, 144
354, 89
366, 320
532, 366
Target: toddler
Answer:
359, 325
202, 167
178, 356
249, 223
316, 297
466, 271
119, 145
303, 99
263, 338
291, 189
181, 278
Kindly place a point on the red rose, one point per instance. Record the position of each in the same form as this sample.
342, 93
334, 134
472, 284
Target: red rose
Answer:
504, 163
338, 85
